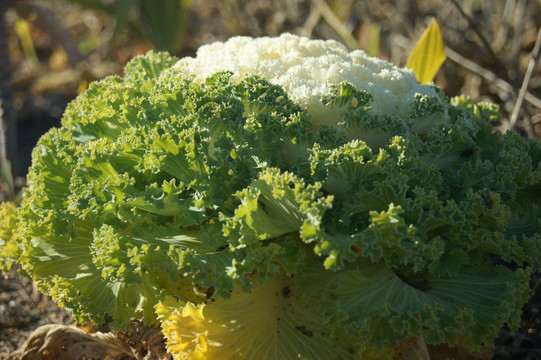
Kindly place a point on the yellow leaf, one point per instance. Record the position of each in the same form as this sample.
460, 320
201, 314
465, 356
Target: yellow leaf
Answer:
373, 40
22, 28
428, 54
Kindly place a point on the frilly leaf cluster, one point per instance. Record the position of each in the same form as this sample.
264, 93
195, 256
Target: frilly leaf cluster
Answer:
220, 201
9, 235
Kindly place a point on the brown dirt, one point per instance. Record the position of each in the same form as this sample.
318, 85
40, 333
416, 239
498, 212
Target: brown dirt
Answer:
23, 308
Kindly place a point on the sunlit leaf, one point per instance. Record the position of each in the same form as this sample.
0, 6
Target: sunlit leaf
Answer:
428, 55
22, 28
373, 40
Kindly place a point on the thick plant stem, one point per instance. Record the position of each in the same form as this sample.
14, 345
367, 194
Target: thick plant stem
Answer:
8, 121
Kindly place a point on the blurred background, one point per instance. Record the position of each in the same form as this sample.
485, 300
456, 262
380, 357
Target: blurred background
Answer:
50, 50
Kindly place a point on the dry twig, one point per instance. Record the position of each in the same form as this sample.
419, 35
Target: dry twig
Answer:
337, 25
523, 89
489, 75
483, 39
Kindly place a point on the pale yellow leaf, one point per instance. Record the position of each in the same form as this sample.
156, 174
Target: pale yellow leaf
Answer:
428, 55
22, 28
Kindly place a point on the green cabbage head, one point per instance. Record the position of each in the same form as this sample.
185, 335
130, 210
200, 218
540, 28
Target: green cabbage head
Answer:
283, 198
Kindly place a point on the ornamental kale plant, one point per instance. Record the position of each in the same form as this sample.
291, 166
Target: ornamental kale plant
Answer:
283, 198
